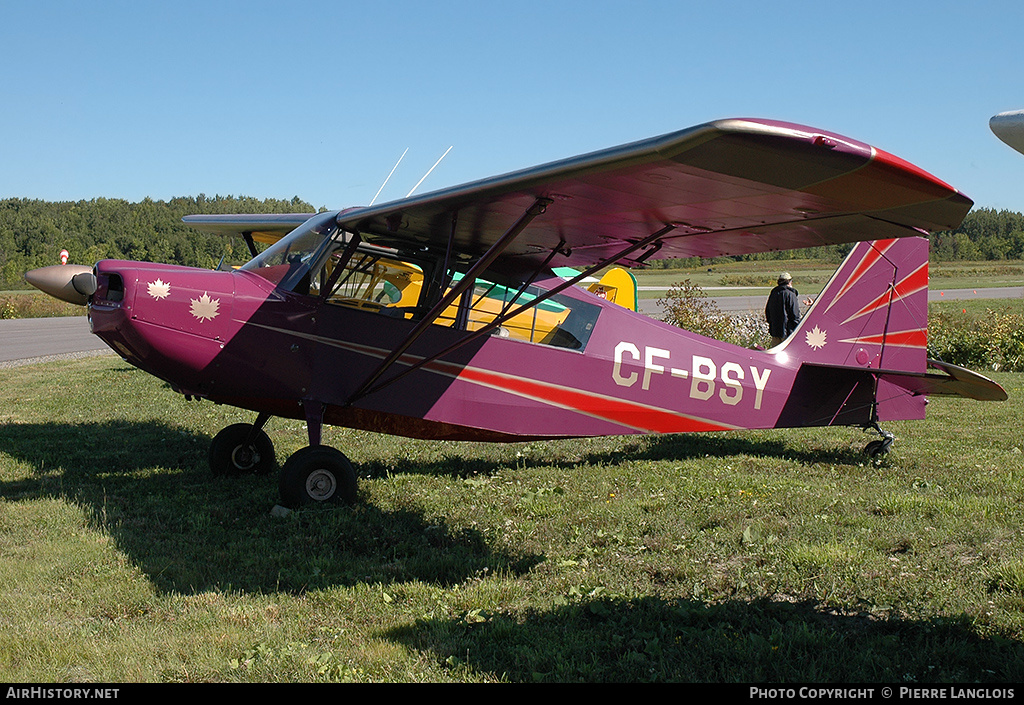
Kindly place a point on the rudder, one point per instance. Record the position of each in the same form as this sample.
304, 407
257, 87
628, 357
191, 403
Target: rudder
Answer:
873, 313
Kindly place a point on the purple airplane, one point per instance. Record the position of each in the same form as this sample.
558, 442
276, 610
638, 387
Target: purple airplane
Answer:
441, 316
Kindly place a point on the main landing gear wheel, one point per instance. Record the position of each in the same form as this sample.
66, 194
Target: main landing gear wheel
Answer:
240, 449
317, 475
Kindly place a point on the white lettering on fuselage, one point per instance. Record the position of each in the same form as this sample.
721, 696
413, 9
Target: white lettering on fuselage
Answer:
705, 375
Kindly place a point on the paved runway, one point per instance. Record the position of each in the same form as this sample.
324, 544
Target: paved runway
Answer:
30, 339
755, 304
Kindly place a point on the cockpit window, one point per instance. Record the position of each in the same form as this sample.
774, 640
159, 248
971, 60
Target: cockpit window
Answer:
370, 281
289, 261
318, 259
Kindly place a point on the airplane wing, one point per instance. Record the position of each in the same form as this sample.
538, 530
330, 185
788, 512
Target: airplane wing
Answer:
728, 187
1009, 127
267, 227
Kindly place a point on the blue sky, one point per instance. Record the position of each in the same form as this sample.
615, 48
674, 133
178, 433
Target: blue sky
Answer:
319, 99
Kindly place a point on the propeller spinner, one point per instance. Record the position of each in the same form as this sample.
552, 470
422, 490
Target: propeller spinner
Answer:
73, 283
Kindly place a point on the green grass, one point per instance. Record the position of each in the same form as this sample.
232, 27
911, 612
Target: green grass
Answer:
735, 557
973, 309
975, 275
810, 277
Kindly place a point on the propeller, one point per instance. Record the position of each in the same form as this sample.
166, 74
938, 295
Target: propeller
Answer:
73, 283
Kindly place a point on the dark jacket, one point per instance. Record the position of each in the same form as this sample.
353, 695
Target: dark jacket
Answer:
782, 311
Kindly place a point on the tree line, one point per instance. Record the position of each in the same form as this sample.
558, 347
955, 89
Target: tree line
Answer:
33, 232
985, 235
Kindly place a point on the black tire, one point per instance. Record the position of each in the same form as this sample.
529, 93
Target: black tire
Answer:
317, 475
876, 449
231, 455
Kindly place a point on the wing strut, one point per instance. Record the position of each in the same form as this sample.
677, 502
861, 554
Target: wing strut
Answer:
341, 266
250, 243
506, 314
537, 208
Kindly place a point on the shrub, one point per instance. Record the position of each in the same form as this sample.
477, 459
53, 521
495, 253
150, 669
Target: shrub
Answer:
36, 306
687, 306
993, 341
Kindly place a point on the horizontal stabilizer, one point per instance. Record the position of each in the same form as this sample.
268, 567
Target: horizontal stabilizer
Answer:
950, 381
943, 380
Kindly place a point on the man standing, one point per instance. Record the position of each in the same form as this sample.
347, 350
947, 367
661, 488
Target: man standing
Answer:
782, 310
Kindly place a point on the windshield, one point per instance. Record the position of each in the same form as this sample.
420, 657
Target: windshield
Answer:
288, 262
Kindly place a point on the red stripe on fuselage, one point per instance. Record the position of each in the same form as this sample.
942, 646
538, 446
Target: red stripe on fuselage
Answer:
640, 417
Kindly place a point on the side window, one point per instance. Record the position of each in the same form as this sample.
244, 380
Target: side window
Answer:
384, 284
559, 321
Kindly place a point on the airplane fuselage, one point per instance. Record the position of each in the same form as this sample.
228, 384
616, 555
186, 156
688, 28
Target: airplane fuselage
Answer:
237, 338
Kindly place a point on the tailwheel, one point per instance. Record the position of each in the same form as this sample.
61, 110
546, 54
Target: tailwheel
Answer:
877, 449
317, 475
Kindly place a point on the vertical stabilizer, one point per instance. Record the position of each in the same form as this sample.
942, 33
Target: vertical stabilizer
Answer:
873, 313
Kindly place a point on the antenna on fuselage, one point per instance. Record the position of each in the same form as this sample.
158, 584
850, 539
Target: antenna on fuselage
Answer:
429, 170
389, 176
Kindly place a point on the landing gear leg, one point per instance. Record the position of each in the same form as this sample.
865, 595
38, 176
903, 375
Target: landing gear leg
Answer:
242, 449
317, 474
878, 448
